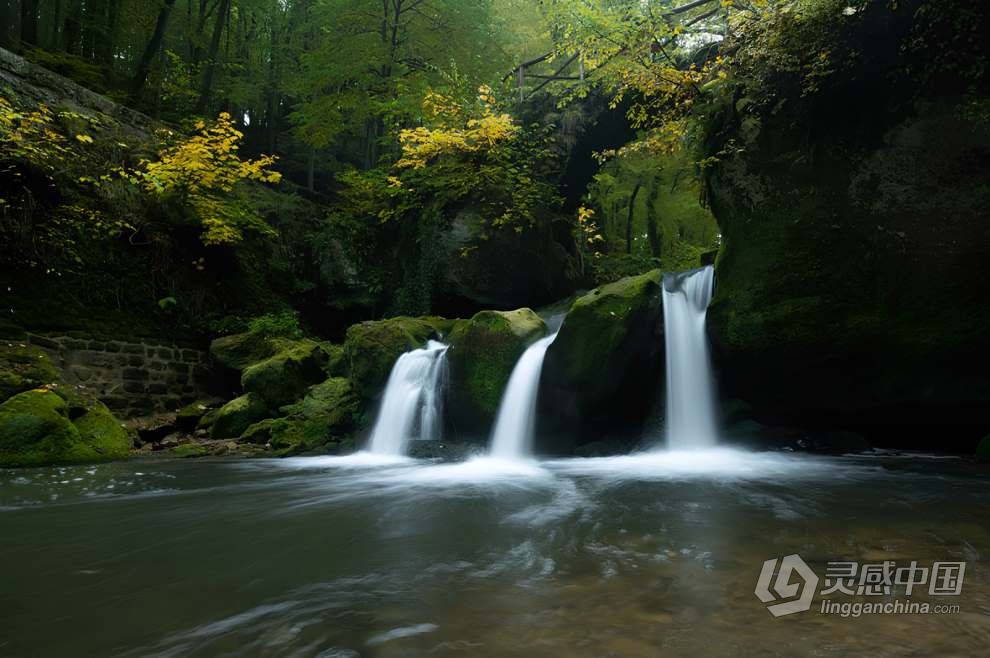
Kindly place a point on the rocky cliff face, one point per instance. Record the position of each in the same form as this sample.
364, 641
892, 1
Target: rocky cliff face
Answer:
853, 278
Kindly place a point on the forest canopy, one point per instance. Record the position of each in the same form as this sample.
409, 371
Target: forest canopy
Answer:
373, 158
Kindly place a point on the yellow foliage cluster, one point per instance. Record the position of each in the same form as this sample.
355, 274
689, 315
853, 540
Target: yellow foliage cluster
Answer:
422, 145
203, 170
32, 136
588, 227
207, 162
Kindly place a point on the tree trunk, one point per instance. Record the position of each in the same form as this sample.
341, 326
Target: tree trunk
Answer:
652, 231
72, 30
629, 217
148, 57
29, 22
108, 45
211, 64
54, 27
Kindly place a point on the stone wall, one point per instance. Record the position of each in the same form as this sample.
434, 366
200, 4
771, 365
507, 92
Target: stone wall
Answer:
132, 378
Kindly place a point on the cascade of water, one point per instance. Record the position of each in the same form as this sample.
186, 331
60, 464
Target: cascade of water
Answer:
412, 402
512, 437
690, 394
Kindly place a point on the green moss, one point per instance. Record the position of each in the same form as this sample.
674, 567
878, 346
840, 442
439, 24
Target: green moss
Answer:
329, 412
102, 433
371, 348
284, 377
336, 365
233, 418
189, 416
593, 347
259, 433
483, 352
188, 450
36, 429
23, 367
241, 350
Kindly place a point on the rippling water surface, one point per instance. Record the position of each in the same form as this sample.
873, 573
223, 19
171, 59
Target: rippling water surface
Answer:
643, 555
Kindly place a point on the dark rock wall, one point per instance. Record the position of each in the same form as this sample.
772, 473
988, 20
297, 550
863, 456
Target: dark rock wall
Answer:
854, 272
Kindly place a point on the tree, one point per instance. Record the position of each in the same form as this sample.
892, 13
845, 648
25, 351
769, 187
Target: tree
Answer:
151, 51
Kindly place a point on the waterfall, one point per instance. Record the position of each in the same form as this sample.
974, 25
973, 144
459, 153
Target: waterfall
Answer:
412, 402
512, 437
690, 394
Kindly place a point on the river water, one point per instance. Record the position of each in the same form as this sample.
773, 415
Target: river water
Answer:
644, 555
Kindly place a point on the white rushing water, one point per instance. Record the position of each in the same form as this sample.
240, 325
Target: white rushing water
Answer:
512, 437
690, 393
412, 402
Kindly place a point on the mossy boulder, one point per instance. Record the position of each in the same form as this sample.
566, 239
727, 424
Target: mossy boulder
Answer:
233, 418
189, 416
284, 377
238, 351
855, 254
983, 449
607, 357
483, 352
259, 433
188, 450
336, 364
23, 367
40, 427
330, 411
102, 432
371, 348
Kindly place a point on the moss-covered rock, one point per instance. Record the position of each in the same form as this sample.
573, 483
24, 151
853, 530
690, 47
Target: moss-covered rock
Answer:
483, 352
983, 449
103, 433
189, 416
259, 433
233, 418
284, 377
329, 412
371, 348
187, 450
336, 364
605, 332
238, 351
40, 427
852, 276
23, 367
607, 357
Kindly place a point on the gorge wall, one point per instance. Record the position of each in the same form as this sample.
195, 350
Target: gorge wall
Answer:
856, 251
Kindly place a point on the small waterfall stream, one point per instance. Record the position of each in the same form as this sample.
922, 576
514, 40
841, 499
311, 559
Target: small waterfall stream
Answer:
690, 393
412, 402
512, 438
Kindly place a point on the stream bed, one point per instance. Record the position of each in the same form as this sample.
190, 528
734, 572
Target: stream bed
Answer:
656, 554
